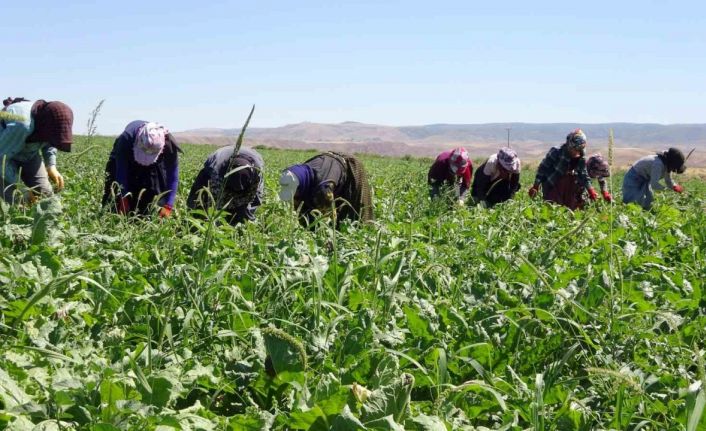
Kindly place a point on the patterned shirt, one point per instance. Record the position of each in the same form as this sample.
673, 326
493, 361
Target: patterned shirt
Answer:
558, 163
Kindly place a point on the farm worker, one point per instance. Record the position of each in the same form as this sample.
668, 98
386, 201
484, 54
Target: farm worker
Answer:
232, 181
598, 168
497, 179
643, 177
326, 181
142, 170
453, 168
30, 135
563, 175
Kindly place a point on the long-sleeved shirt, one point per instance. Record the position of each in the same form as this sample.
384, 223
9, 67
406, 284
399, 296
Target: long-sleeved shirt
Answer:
213, 173
558, 163
652, 169
13, 146
128, 171
440, 172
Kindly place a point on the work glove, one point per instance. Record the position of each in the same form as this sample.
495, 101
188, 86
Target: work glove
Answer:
592, 194
165, 211
461, 202
607, 196
677, 188
55, 177
123, 205
533, 191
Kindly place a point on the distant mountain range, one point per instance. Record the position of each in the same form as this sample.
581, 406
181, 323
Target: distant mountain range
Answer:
632, 140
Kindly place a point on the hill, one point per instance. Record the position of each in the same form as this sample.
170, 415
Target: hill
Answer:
632, 140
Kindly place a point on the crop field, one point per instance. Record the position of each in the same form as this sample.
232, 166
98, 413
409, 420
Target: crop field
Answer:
525, 316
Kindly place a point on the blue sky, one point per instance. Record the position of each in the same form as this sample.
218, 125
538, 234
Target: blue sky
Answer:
202, 64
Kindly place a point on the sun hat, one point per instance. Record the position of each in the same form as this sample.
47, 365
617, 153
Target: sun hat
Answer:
507, 157
149, 143
675, 160
53, 122
459, 160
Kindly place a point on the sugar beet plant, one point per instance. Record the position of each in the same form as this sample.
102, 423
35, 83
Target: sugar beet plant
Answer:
526, 316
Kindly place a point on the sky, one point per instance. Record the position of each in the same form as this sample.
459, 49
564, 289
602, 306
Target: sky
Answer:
204, 63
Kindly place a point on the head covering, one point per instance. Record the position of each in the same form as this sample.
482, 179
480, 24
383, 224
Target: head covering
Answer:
53, 122
243, 179
241, 186
597, 166
674, 159
576, 140
288, 183
459, 160
294, 178
149, 143
507, 157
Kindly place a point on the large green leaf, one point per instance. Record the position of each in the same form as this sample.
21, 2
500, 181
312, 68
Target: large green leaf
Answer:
390, 400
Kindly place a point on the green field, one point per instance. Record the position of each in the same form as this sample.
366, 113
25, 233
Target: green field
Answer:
526, 316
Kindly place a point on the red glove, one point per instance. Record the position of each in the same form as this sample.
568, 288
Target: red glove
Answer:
165, 211
607, 196
123, 205
592, 194
677, 188
533, 191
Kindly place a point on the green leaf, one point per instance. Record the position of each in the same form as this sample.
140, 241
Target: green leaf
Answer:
161, 391
391, 400
696, 409
10, 392
346, 421
423, 422
312, 419
102, 426
285, 351
418, 325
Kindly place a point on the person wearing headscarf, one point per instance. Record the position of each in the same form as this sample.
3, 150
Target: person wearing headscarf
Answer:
599, 169
497, 179
563, 175
30, 135
142, 170
231, 182
451, 168
328, 181
642, 179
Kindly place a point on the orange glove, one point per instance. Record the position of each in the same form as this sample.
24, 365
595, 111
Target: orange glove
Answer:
677, 188
592, 194
123, 205
533, 191
607, 196
165, 211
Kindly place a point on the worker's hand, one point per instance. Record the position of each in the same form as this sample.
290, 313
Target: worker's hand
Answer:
677, 188
55, 177
32, 198
460, 202
592, 194
165, 211
533, 191
607, 196
123, 205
